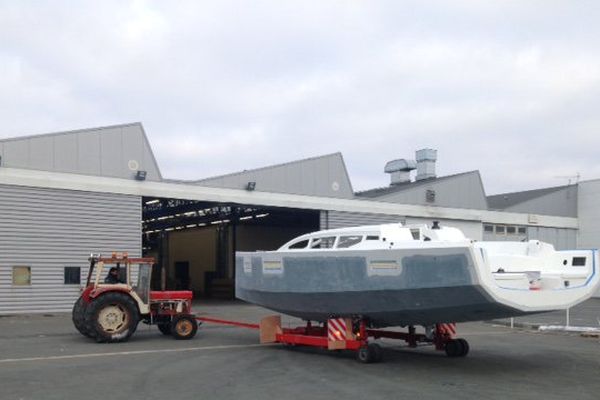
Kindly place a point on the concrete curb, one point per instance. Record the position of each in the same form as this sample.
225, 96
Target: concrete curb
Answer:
584, 331
520, 325
574, 329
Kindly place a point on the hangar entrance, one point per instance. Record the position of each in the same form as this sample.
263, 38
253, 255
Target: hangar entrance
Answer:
194, 242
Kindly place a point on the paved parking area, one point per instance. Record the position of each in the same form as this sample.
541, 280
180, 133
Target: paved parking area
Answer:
43, 357
586, 314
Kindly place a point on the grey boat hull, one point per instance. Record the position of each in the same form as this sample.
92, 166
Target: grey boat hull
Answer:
386, 308
389, 287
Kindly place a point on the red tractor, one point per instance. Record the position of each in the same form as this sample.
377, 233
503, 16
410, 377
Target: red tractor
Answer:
111, 306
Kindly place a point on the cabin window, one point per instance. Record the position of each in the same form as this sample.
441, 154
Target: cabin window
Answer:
578, 262
299, 245
72, 275
511, 230
348, 241
416, 233
500, 229
323, 242
21, 276
488, 228
372, 237
522, 230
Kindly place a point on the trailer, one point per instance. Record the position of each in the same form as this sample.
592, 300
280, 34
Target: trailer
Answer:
352, 334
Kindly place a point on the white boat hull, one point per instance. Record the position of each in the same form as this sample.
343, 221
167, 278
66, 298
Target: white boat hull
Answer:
434, 283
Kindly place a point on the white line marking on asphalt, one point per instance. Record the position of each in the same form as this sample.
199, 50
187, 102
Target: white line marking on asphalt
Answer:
128, 353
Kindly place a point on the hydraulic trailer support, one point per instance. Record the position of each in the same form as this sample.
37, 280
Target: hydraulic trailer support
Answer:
351, 334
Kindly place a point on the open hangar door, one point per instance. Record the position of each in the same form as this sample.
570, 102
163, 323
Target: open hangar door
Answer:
194, 242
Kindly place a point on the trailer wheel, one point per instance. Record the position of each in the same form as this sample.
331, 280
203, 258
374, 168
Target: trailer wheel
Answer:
165, 329
112, 317
454, 348
465, 347
377, 352
369, 354
184, 327
78, 317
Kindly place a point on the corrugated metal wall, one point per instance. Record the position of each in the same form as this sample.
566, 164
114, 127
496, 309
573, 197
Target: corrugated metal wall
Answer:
561, 238
48, 229
341, 219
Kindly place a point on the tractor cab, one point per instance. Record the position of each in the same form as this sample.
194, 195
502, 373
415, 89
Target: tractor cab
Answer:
117, 296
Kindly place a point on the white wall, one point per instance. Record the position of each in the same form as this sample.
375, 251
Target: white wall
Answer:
588, 209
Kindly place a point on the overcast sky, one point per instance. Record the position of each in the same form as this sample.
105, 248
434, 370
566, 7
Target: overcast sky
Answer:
511, 89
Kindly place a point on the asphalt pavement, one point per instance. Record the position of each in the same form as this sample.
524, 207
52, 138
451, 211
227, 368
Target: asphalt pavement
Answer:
586, 314
44, 357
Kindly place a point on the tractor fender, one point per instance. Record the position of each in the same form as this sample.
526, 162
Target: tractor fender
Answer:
99, 291
86, 294
94, 293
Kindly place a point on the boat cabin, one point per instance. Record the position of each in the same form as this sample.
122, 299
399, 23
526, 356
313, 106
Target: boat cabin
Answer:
373, 237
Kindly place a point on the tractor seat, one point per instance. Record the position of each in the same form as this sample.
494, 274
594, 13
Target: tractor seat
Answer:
171, 295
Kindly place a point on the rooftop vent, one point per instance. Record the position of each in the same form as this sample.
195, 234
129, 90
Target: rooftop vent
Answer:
426, 159
399, 170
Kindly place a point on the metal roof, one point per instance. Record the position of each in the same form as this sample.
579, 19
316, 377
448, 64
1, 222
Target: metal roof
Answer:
118, 151
505, 200
324, 175
382, 191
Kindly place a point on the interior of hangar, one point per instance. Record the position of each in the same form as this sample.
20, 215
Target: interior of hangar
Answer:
194, 242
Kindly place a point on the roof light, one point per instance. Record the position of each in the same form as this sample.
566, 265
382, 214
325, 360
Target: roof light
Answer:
140, 175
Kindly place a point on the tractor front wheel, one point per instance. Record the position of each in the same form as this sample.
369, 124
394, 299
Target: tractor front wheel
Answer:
184, 327
112, 317
165, 329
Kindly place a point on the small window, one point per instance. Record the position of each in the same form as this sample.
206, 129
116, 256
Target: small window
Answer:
416, 233
21, 276
72, 275
348, 241
578, 262
522, 230
372, 238
323, 243
500, 229
488, 228
511, 230
299, 245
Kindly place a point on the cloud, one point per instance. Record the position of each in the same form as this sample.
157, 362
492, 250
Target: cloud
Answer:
232, 85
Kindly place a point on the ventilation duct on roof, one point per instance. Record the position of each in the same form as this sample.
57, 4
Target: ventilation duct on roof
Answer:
399, 170
426, 159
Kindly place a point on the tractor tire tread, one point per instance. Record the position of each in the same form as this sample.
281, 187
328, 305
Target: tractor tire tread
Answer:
97, 304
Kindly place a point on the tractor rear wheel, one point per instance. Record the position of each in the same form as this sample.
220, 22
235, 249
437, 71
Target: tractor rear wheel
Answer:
112, 317
184, 327
78, 316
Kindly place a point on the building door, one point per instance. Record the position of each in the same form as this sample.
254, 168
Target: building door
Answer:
182, 275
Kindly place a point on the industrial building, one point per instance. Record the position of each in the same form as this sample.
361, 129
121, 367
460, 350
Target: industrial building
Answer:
68, 194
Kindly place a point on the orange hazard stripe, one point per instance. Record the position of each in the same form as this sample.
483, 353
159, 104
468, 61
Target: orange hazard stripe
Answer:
336, 329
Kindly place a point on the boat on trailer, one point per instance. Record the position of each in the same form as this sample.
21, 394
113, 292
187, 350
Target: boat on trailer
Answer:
406, 275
